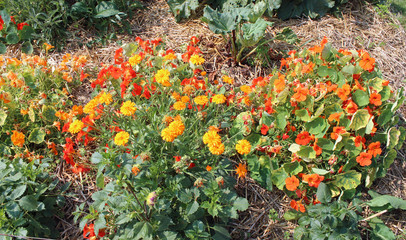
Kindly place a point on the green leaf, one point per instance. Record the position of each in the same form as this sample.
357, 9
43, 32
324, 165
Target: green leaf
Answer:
182, 9
27, 48
387, 201
323, 193
287, 35
129, 49
3, 116
143, 230
48, 113
359, 119
29, 203
26, 32
241, 204
293, 168
376, 84
385, 93
257, 11
320, 171
219, 23
12, 38
385, 117
100, 223
316, 126
18, 192
31, 114
253, 32
292, 215
325, 144
303, 115
106, 9
306, 152
192, 208
402, 138
360, 98
96, 158
393, 138
100, 180
167, 235
380, 230
3, 48
389, 158
280, 121
278, 177
220, 233
348, 180
37, 136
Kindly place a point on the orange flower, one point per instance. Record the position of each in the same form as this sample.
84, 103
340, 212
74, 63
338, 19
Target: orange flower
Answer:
313, 179
264, 129
335, 116
300, 94
337, 131
297, 205
375, 99
317, 149
351, 107
18, 138
135, 170
208, 168
343, 92
292, 183
241, 170
364, 159
303, 138
308, 68
375, 148
367, 63
279, 83
358, 140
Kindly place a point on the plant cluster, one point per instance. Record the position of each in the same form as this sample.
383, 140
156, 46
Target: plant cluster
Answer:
12, 32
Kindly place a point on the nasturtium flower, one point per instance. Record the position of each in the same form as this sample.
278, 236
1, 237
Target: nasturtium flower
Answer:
121, 138
241, 170
337, 131
279, 83
162, 77
374, 149
300, 94
313, 179
196, 59
227, 79
292, 183
18, 138
375, 99
264, 129
364, 159
351, 107
201, 100
335, 117
219, 99
76, 126
344, 91
367, 63
128, 108
243, 147
298, 206
179, 106
303, 138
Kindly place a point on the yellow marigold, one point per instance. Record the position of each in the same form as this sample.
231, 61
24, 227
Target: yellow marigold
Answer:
219, 99
24, 111
243, 147
227, 79
217, 149
247, 101
134, 60
162, 77
170, 56
246, 89
18, 138
188, 89
90, 106
177, 127
128, 108
76, 126
211, 138
168, 135
105, 98
121, 138
176, 96
201, 100
185, 99
196, 59
179, 106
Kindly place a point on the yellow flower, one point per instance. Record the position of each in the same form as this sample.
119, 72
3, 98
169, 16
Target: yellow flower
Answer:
217, 149
243, 147
246, 100
177, 127
128, 108
246, 89
176, 96
211, 138
185, 99
168, 135
76, 126
90, 106
134, 60
227, 79
201, 100
121, 138
105, 98
219, 99
18, 138
162, 77
179, 106
188, 89
196, 59
170, 56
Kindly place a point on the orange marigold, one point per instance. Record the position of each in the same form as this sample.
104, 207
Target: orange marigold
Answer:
201, 100
162, 77
179, 106
217, 149
196, 59
241, 170
121, 138
18, 138
292, 183
279, 83
227, 79
128, 108
219, 99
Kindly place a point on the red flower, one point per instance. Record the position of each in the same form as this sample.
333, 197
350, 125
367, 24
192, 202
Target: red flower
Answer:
375, 148
88, 232
21, 25
298, 206
303, 138
264, 129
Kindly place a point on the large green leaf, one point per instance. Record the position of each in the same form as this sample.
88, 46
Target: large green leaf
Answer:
389, 158
287, 35
257, 10
360, 98
26, 32
303, 115
380, 230
36, 136
359, 119
3, 48
293, 168
12, 38
380, 202
253, 32
306, 152
323, 193
348, 180
182, 9
48, 113
3, 117
311, 8
27, 48
219, 23
106, 9
317, 126
29, 203
278, 177
393, 138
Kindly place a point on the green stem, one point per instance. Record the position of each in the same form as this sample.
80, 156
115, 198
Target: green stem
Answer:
131, 189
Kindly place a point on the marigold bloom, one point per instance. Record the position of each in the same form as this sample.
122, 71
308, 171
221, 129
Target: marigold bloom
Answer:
217, 149
300, 94
135, 170
241, 170
177, 127
227, 79
364, 159
343, 92
134, 60
243, 147
18, 138
201, 100
76, 126
211, 138
162, 77
179, 106
374, 148
246, 89
168, 135
337, 131
292, 183
313, 179
375, 99
105, 98
219, 99
90, 106
185, 99
196, 59
303, 138
170, 56
208, 168
121, 138
128, 108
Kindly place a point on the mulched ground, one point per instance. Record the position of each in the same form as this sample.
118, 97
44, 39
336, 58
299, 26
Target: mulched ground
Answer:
359, 28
